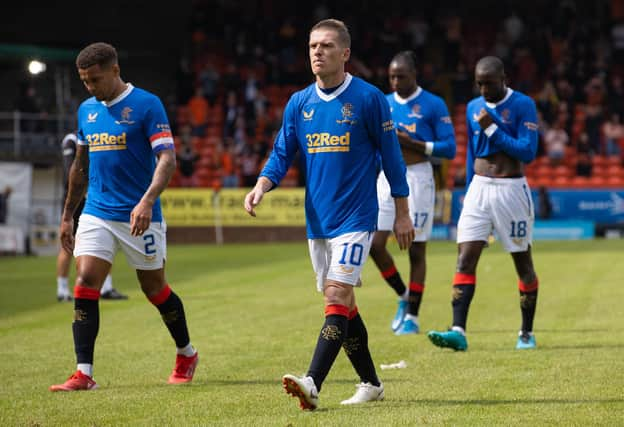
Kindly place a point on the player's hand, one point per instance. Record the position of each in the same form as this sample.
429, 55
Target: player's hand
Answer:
66, 234
404, 231
140, 218
253, 199
484, 118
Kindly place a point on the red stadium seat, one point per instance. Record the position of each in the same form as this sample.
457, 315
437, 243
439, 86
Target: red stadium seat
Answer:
580, 182
597, 182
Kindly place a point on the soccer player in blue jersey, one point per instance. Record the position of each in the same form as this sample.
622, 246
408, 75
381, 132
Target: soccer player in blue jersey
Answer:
125, 158
424, 129
502, 136
339, 125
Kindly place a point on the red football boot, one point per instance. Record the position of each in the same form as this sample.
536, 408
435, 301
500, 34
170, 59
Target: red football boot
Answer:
184, 369
78, 381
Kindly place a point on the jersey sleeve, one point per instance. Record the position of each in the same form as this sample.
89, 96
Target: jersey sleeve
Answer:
80, 138
524, 147
470, 157
381, 130
156, 126
444, 144
284, 148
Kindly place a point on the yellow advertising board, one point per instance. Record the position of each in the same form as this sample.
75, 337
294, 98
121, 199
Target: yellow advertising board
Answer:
196, 207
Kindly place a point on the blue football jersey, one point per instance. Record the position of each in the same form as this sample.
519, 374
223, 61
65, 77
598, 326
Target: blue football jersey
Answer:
424, 117
515, 117
339, 136
123, 136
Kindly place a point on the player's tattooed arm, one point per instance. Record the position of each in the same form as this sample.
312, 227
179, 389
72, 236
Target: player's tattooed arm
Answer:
78, 181
162, 175
141, 215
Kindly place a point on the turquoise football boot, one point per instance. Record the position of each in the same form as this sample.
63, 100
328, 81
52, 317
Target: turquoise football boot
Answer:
526, 341
399, 316
449, 339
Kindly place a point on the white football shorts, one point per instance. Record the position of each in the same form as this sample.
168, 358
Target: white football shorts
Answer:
421, 200
340, 258
500, 204
102, 238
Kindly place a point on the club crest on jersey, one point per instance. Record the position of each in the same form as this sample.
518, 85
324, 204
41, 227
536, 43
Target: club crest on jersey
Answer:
125, 117
347, 114
415, 112
505, 115
307, 116
91, 117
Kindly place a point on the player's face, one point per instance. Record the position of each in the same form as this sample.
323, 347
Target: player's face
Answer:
327, 55
100, 81
491, 85
402, 79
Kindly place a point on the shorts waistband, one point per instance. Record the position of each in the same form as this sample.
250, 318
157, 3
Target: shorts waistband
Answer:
506, 180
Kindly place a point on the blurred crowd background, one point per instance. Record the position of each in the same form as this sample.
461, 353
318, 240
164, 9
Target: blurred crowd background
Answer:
225, 70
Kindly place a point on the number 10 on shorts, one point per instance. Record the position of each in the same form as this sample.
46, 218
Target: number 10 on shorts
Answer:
351, 252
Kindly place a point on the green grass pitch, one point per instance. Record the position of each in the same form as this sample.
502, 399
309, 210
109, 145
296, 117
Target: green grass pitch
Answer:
254, 315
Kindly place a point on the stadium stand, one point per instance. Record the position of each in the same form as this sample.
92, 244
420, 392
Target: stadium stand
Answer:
237, 72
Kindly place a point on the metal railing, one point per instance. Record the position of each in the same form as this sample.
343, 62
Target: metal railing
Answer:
33, 137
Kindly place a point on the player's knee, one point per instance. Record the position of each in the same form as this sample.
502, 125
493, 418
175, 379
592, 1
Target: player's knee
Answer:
336, 294
88, 281
466, 264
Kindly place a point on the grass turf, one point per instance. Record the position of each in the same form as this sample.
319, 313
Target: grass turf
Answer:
254, 315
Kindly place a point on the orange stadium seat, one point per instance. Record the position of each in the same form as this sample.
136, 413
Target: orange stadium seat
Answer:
597, 182
615, 181
580, 182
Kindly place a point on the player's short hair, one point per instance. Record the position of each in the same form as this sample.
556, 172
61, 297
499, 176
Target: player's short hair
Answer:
491, 64
102, 54
407, 57
338, 26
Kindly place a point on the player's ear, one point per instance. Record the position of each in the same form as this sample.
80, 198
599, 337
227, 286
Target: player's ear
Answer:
346, 54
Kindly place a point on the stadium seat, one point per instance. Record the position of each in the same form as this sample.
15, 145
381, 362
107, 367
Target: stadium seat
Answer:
599, 162
560, 182
580, 182
615, 181
563, 171
597, 182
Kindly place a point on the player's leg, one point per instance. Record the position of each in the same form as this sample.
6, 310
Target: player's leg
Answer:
338, 263
171, 309
528, 288
379, 252
513, 220
356, 348
91, 272
473, 229
147, 254
385, 263
63, 261
418, 271
94, 252
333, 332
421, 206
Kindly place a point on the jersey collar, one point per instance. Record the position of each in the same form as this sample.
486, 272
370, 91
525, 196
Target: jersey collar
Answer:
337, 92
413, 96
120, 97
505, 98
